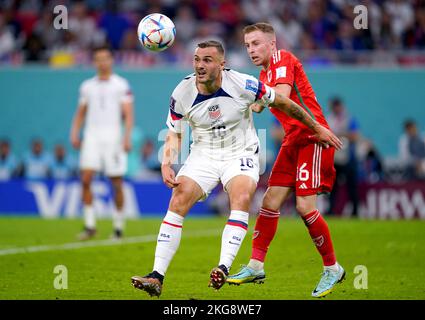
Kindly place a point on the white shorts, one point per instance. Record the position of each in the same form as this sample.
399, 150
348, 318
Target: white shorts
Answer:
207, 172
103, 156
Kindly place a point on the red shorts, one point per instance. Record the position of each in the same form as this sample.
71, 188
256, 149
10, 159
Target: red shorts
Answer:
309, 169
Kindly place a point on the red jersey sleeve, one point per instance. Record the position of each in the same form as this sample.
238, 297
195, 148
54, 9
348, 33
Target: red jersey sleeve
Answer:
283, 68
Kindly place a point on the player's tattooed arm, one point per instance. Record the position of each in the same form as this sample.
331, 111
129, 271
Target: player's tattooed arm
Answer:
323, 135
171, 152
295, 111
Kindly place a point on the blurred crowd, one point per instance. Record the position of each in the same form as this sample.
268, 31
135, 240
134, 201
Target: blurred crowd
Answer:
358, 161
319, 31
60, 164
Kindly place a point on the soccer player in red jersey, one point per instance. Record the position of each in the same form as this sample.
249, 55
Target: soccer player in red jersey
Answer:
303, 165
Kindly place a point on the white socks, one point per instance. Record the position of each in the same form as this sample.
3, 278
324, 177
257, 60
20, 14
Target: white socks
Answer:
118, 220
89, 217
334, 268
256, 265
233, 234
168, 241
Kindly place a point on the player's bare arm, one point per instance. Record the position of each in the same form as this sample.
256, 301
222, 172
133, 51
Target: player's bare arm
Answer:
127, 109
79, 117
283, 89
171, 151
325, 136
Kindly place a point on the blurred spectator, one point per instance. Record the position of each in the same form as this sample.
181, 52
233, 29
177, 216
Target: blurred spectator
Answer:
288, 29
36, 163
257, 10
7, 40
84, 27
8, 164
323, 27
114, 24
371, 167
149, 157
44, 29
150, 167
346, 160
412, 151
402, 17
185, 23
34, 49
62, 166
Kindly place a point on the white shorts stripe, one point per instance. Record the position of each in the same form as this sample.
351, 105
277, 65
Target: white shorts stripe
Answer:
319, 165
313, 170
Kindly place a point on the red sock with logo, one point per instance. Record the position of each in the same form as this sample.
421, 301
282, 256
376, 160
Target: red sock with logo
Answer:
319, 232
264, 231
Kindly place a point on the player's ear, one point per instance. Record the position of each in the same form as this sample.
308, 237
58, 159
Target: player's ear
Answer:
223, 64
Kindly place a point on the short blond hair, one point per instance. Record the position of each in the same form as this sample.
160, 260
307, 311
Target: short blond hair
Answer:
259, 26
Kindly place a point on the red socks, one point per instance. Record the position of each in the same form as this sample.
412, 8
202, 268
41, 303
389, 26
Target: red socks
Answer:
319, 232
264, 231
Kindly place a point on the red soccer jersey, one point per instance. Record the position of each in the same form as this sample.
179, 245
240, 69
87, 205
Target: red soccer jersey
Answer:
285, 68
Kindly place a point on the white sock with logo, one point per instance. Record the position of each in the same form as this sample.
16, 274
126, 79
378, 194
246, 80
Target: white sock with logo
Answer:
118, 219
89, 217
168, 241
233, 234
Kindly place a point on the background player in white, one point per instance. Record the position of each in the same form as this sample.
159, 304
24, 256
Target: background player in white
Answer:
216, 103
105, 101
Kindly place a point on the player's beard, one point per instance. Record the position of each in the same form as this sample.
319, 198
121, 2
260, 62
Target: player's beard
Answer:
208, 78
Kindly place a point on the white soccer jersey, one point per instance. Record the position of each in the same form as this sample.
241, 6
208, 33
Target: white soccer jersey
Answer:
221, 123
104, 100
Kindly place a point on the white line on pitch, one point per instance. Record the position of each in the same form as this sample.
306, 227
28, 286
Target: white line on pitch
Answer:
102, 243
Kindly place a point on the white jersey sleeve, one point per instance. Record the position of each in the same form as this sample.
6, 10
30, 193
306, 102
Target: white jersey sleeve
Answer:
175, 116
126, 93
83, 94
251, 88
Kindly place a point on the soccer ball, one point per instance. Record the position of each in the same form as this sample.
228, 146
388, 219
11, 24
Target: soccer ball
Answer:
156, 32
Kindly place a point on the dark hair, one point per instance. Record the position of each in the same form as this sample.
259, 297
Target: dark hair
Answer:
259, 26
212, 43
102, 48
409, 123
335, 101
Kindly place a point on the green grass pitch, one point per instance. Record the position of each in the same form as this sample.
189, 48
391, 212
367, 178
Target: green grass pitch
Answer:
392, 251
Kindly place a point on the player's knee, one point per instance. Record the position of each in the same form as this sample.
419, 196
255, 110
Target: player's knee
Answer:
304, 207
242, 199
270, 202
179, 201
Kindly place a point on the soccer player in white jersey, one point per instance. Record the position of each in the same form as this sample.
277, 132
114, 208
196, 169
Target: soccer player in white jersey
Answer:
105, 102
216, 103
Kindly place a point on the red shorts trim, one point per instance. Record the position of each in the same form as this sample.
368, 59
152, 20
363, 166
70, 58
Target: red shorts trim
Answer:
309, 169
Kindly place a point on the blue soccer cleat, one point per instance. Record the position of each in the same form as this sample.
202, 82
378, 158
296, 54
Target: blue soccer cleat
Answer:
247, 275
328, 281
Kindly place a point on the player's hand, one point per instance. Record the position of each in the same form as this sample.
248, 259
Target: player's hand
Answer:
127, 145
75, 141
258, 108
169, 176
327, 138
